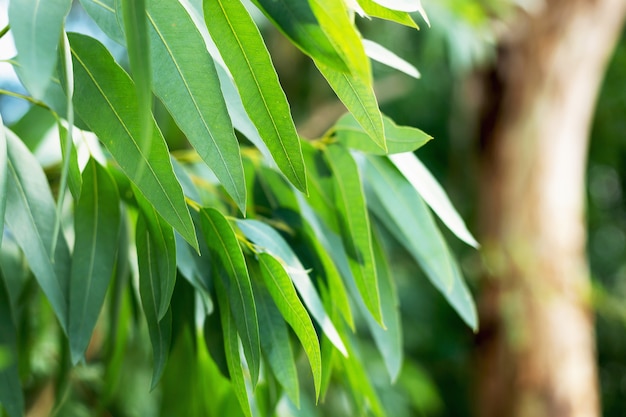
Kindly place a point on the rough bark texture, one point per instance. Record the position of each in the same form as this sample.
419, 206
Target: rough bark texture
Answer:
536, 347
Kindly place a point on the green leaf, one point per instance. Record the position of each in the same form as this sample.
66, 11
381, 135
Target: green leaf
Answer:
427, 186
3, 176
284, 294
275, 342
74, 177
398, 206
401, 5
36, 27
164, 249
376, 10
160, 330
245, 54
355, 226
30, 215
33, 126
11, 397
105, 99
399, 138
295, 19
360, 100
383, 55
178, 55
96, 226
231, 347
321, 185
223, 244
103, 13
268, 240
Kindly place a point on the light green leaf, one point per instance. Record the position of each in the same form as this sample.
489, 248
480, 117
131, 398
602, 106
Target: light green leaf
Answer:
268, 240
275, 342
376, 10
103, 13
3, 176
282, 290
96, 226
320, 185
401, 5
398, 206
427, 186
160, 330
245, 54
355, 226
105, 99
222, 242
399, 138
295, 19
231, 347
74, 175
11, 397
33, 126
36, 26
163, 246
383, 55
360, 100
178, 55
30, 215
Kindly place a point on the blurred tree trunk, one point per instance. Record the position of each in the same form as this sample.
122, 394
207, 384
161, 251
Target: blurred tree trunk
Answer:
536, 346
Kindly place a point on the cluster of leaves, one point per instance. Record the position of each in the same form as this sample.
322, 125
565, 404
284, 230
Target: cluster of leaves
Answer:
221, 248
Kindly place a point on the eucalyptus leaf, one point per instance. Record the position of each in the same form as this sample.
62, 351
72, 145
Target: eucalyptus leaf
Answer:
11, 396
103, 13
374, 9
383, 55
3, 176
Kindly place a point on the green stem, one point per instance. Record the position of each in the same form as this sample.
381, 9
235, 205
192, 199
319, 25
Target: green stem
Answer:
4, 30
30, 100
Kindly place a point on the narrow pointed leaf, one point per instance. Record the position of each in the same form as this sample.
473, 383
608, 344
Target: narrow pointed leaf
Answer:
105, 99
11, 397
223, 244
383, 55
275, 343
248, 60
401, 5
355, 226
398, 138
74, 176
96, 225
36, 27
376, 10
427, 186
178, 55
399, 207
284, 294
3, 176
103, 13
360, 100
320, 185
296, 20
30, 215
160, 330
231, 348
268, 240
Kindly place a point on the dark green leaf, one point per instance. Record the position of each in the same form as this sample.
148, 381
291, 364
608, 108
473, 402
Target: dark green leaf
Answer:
246, 56
105, 99
36, 27
223, 244
11, 397
96, 225
3, 176
160, 330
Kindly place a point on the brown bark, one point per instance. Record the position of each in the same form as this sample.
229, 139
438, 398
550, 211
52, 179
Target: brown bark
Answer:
536, 347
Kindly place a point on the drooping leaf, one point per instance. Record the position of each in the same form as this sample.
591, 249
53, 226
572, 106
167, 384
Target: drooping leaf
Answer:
360, 100
223, 244
30, 215
178, 55
429, 189
376, 10
11, 397
105, 99
96, 226
321, 186
268, 240
399, 138
282, 290
74, 175
355, 226
231, 347
383, 55
401, 5
402, 211
190, 266
160, 330
275, 342
36, 26
103, 13
296, 20
246, 56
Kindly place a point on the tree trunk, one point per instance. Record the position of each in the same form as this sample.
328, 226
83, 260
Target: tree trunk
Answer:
536, 347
